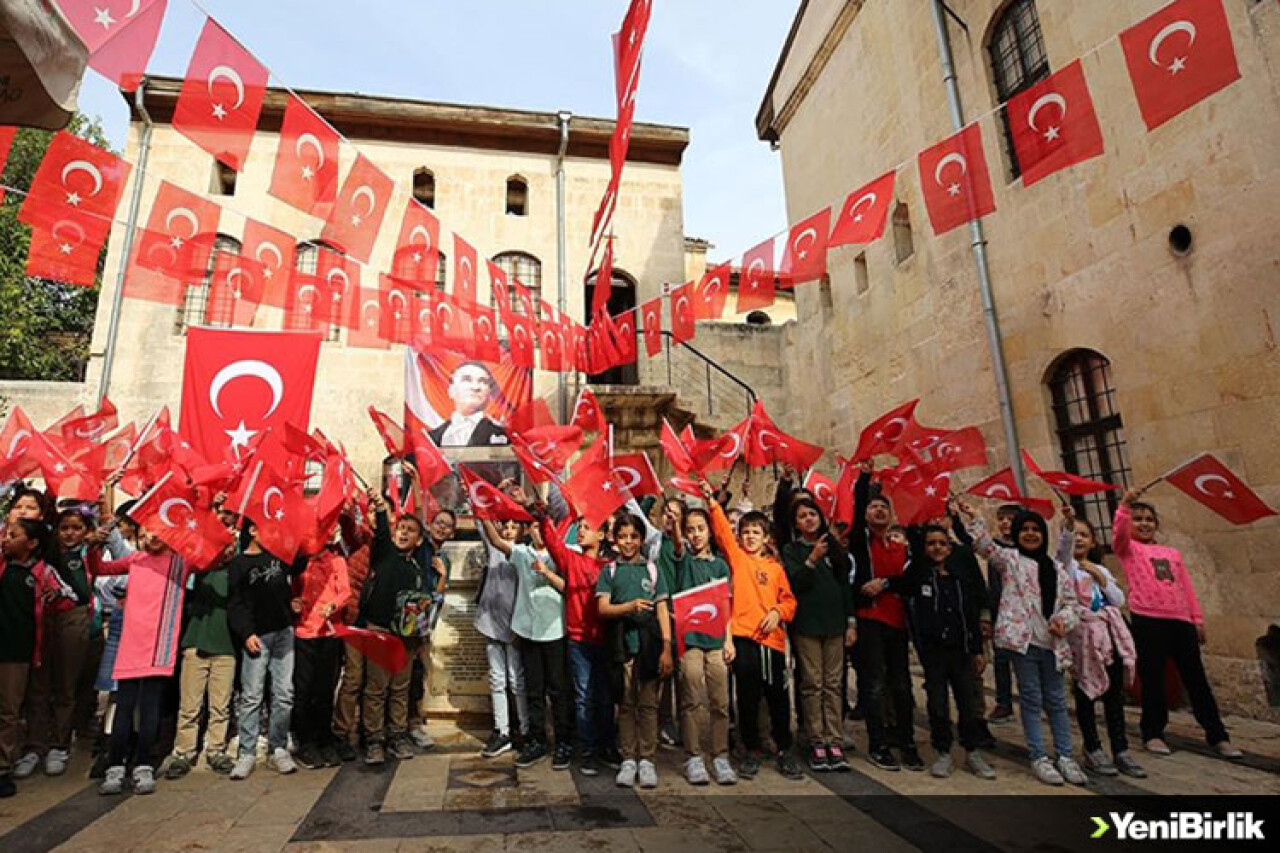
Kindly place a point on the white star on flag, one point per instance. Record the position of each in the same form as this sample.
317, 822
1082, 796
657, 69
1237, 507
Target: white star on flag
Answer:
219, 112
953, 190
176, 242
240, 436
307, 173
73, 199
1178, 64
1051, 134
65, 248
103, 17
356, 220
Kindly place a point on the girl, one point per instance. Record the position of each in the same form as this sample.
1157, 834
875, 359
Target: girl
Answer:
1038, 609
825, 624
631, 591
1167, 623
25, 583
704, 666
1102, 649
495, 606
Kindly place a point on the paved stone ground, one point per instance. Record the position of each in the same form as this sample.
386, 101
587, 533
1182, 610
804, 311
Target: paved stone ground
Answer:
450, 800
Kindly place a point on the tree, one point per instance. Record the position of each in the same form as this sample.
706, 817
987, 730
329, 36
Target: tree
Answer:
45, 326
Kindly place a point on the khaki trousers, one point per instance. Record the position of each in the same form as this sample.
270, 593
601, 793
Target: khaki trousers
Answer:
346, 709
418, 713
637, 715
51, 697
704, 700
13, 688
821, 659
204, 674
385, 705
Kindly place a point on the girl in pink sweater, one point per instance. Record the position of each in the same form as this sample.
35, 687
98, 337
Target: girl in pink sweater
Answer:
1167, 623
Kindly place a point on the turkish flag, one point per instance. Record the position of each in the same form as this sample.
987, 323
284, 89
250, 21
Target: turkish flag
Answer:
238, 383
179, 235
464, 269
766, 443
805, 256
885, 433
963, 448
77, 182
379, 647
308, 306
703, 609
357, 215
450, 323
593, 488
955, 180
628, 43
844, 490
418, 246
623, 331
15, 442
276, 252
1002, 486
276, 506
306, 168
120, 35
487, 502
635, 472
397, 310
235, 291
1207, 480
550, 336
756, 287
1066, 482
500, 289
920, 498
103, 460
1054, 125
721, 452
341, 277
393, 435
64, 254
651, 317
221, 97
683, 320
173, 513
824, 492
484, 338
28, 451
521, 336
1179, 56
545, 450
587, 414
427, 458
603, 286
674, 448
90, 427
712, 292
864, 213
919, 438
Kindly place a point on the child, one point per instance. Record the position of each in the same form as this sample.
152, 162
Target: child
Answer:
946, 600
704, 666
441, 529
146, 658
323, 588
1167, 623
1104, 657
825, 623
538, 620
260, 616
25, 582
880, 555
1003, 711
1038, 609
495, 606
762, 605
632, 591
672, 528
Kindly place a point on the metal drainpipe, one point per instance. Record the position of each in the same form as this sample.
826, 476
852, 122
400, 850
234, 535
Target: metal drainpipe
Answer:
561, 273
135, 201
978, 241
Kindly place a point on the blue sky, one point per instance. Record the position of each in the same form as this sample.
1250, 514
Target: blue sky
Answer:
706, 66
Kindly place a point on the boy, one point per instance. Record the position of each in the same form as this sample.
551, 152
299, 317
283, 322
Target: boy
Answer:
441, 529
762, 607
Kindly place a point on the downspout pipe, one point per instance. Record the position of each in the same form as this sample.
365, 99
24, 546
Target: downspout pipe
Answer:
978, 242
564, 117
135, 203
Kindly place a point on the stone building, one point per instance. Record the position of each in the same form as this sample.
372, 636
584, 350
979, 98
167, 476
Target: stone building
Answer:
1137, 293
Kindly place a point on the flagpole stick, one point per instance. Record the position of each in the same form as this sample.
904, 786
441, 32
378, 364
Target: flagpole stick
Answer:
133, 450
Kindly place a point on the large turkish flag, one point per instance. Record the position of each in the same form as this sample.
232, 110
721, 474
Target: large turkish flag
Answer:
955, 180
1207, 480
221, 97
236, 384
1054, 124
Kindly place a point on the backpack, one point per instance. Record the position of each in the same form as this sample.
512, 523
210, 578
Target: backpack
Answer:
413, 610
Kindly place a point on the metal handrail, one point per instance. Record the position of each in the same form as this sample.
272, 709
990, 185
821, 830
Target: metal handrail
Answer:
710, 365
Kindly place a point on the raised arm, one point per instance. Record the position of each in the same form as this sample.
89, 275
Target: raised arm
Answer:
1122, 528
492, 538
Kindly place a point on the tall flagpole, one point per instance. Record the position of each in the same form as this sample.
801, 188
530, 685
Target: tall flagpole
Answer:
564, 117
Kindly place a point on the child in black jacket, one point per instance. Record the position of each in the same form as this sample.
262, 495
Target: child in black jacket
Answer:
946, 601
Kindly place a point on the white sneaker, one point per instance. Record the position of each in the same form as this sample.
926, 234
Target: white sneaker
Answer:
55, 763
26, 765
695, 770
1071, 771
144, 780
243, 767
1045, 772
282, 762
421, 739
626, 777
113, 782
648, 774
723, 771
942, 766
978, 766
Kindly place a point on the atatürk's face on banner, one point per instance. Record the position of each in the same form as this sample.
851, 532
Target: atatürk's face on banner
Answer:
470, 389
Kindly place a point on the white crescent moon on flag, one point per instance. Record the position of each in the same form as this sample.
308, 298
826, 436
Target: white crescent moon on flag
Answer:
902, 424
133, 8
424, 315
270, 249
364, 309
67, 224
426, 235
18, 436
954, 157
365, 191
736, 449
999, 490
682, 306
235, 274
163, 247
444, 312
309, 139
627, 476
252, 368
1176, 27
393, 295
274, 491
1042, 102
811, 233
86, 167
520, 332
766, 433
170, 504
751, 269
484, 323
465, 264
308, 288
226, 72
338, 272
698, 609
822, 491
1204, 479
186, 215
474, 493
871, 199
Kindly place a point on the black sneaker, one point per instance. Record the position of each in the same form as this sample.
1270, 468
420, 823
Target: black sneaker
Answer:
588, 765
100, 763
911, 759
7, 787
374, 754
533, 752
857, 713
818, 759
329, 755
610, 757
179, 766
883, 758
749, 767
309, 757
562, 757
402, 748
497, 744
346, 750
789, 766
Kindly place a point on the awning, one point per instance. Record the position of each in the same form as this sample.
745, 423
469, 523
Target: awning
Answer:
41, 64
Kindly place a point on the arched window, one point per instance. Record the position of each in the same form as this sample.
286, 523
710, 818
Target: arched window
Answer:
517, 196
308, 261
904, 245
195, 298
522, 267
1018, 61
424, 186
1090, 431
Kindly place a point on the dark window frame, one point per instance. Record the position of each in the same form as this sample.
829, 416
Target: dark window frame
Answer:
195, 295
1023, 55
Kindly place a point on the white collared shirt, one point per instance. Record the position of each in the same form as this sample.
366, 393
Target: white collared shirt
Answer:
458, 433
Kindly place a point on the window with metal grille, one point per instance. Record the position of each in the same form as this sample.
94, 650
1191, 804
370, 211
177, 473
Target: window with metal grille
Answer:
195, 299
307, 261
1090, 432
1018, 61
525, 268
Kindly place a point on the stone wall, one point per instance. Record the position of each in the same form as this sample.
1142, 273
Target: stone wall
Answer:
45, 402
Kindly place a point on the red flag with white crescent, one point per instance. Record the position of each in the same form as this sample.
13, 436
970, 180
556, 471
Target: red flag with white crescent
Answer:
712, 292
955, 181
179, 234
1054, 125
120, 35
356, 218
306, 166
824, 492
886, 432
173, 513
77, 182
703, 609
276, 252
1001, 486
1066, 482
635, 472
683, 320
487, 501
651, 319
464, 270
805, 256
1206, 480
864, 213
221, 97
757, 283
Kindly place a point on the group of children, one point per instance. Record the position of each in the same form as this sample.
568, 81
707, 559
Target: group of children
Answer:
578, 621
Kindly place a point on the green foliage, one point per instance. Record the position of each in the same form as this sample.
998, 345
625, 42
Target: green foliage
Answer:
45, 326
